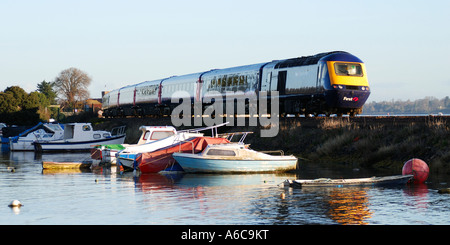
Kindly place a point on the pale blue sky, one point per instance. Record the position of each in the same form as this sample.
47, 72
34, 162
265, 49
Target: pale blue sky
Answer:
405, 44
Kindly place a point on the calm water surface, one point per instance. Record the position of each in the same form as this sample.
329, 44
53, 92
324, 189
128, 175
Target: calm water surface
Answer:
105, 196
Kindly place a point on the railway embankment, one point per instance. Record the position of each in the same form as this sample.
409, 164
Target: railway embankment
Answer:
360, 142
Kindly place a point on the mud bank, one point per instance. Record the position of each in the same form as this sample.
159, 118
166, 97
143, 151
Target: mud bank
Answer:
361, 142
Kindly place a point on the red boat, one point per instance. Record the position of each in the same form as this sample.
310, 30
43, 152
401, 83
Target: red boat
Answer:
153, 162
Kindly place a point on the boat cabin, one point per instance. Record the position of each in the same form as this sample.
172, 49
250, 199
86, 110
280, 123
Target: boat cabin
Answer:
83, 131
154, 133
233, 150
222, 151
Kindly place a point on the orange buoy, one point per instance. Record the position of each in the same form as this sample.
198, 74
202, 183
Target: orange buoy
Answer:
418, 168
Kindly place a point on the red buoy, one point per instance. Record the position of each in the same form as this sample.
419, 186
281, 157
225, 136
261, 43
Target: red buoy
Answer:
418, 168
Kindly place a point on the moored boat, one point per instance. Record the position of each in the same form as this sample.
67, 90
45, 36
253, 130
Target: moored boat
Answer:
41, 132
127, 157
234, 158
107, 153
81, 137
66, 165
372, 181
162, 159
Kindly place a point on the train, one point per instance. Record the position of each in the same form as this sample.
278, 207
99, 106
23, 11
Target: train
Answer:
323, 84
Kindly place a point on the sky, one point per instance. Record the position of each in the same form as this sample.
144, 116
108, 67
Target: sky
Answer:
405, 44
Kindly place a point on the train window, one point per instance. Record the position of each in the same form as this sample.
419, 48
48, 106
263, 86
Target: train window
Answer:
348, 69
235, 80
242, 80
229, 81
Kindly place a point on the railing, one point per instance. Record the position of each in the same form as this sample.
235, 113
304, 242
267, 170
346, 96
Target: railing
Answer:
213, 129
229, 136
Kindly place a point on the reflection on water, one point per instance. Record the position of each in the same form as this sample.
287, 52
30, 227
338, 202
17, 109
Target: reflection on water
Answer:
18, 157
105, 196
201, 198
349, 206
418, 194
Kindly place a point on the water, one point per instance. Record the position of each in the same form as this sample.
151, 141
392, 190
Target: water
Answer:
105, 196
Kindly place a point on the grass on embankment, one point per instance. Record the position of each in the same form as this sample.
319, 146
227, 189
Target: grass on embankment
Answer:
368, 145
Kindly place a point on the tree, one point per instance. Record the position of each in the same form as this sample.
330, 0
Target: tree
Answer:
8, 104
47, 89
19, 95
71, 85
18, 107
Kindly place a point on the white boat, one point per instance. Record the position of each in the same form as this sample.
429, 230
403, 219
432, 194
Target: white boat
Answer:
81, 137
234, 158
107, 153
42, 131
372, 181
127, 157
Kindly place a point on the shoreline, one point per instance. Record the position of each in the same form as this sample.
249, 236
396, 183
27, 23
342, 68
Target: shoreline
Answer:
361, 142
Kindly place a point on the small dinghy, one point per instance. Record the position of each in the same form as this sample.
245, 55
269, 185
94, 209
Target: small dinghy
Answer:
372, 181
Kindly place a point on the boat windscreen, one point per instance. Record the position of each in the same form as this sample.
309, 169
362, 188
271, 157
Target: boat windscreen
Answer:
219, 152
54, 127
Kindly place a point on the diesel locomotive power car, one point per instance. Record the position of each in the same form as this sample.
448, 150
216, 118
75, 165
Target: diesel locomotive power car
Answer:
326, 83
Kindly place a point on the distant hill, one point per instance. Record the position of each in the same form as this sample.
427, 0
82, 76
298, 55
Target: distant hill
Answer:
427, 105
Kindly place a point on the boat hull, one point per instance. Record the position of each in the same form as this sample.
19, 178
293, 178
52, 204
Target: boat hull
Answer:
203, 165
373, 181
127, 160
61, 146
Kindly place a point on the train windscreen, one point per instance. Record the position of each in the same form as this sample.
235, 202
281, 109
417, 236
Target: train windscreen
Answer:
348, 69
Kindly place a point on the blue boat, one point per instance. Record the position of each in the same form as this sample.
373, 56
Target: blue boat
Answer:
234, 158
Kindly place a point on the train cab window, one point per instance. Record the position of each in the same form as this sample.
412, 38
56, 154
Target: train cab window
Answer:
348, 69
281, 87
